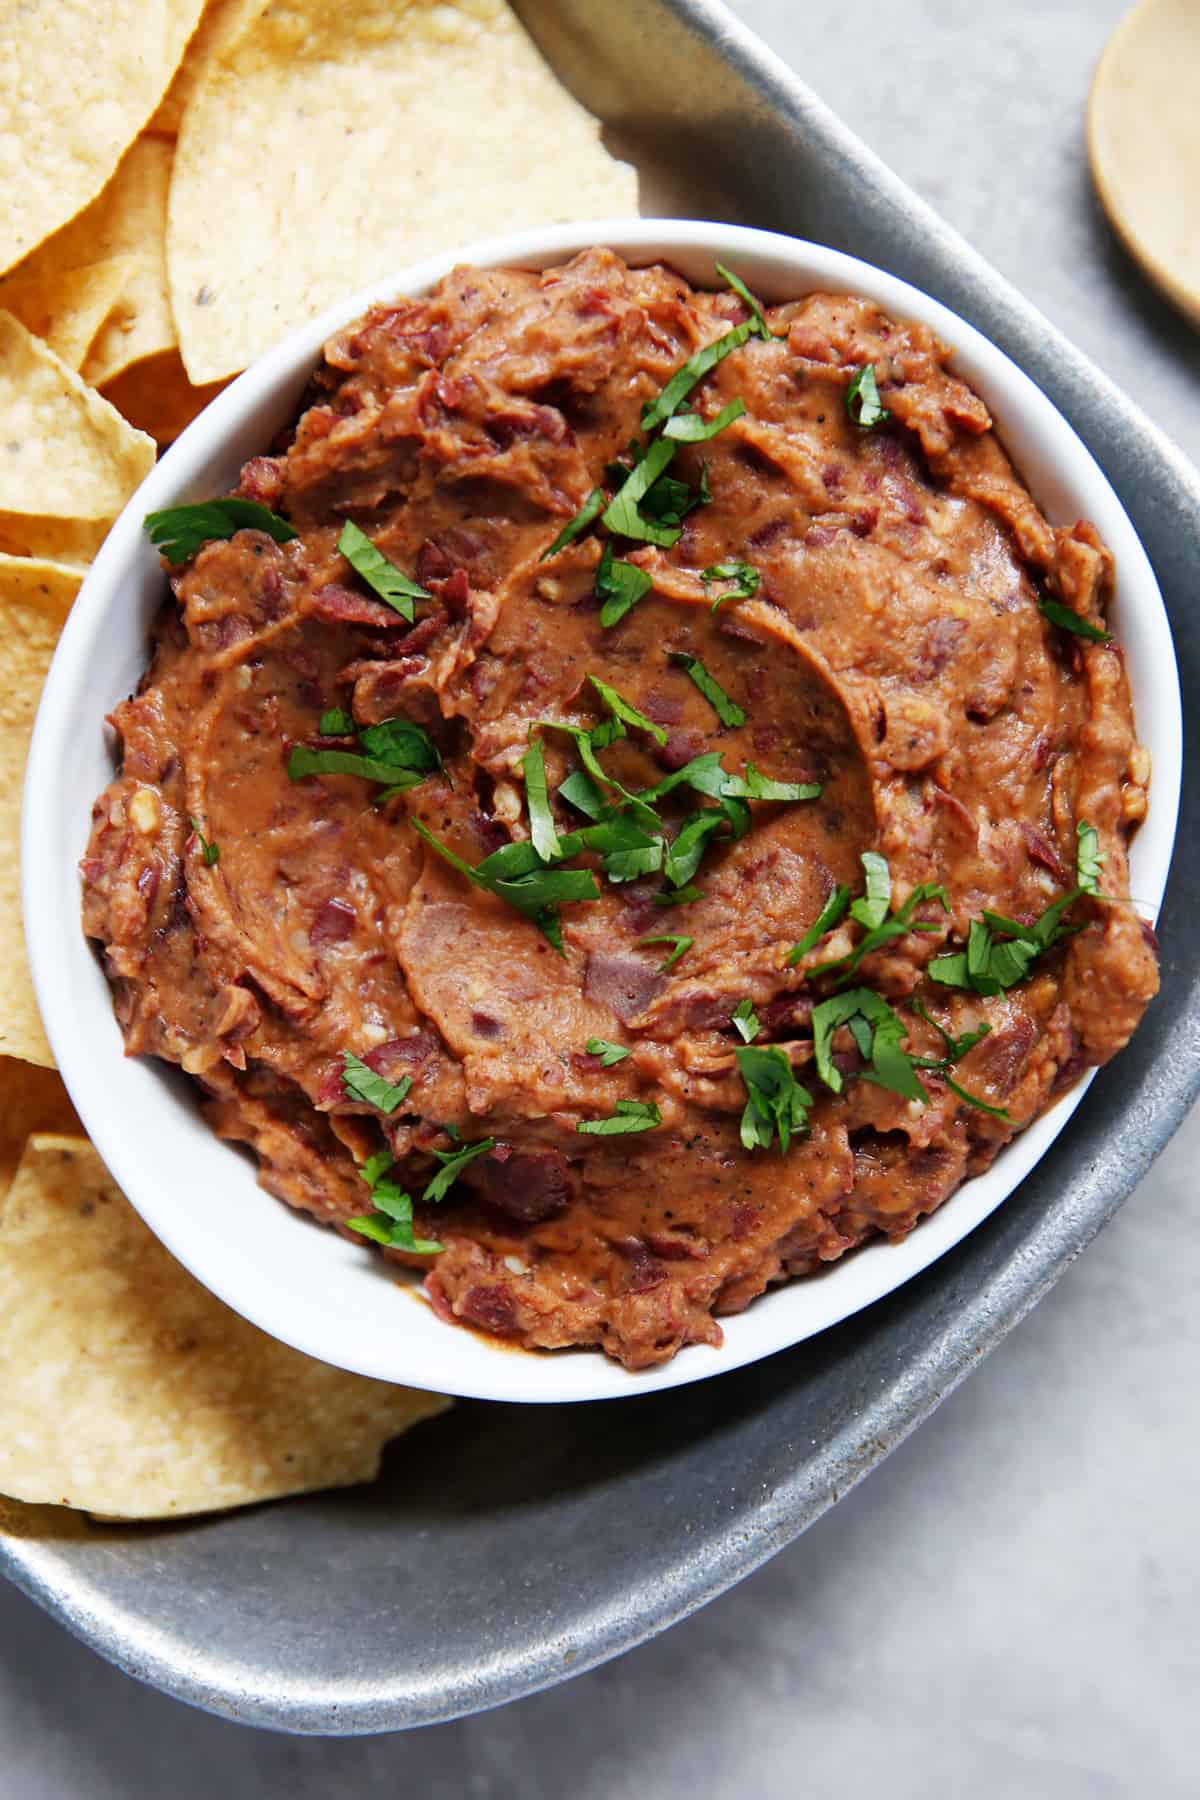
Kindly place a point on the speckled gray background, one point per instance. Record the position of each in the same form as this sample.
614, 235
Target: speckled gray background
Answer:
1009, 1606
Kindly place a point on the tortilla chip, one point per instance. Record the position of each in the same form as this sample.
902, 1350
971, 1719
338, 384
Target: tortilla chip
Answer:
221, 22
64, 451
66, 309
18, 1521
329, 145
35, 598
127, 1389
31, 1099
73, 541
78, 81
156, 396
125, 223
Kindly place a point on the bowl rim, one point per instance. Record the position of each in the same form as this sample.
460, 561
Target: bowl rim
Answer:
493, 1372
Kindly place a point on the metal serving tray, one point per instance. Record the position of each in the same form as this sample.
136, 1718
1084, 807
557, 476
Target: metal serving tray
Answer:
511, 1547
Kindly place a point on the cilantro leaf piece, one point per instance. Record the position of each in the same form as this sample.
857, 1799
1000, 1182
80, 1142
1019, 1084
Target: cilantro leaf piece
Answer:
453, 1163
402, 745
863, 405
620, 585
873, 909
362, 1083
681, 945
680, 897
727, 710
1089, 858
949, 971
746, 1021
591, 509
997, 1112
697, 366
691, 428
381, 576
391, 1222
629, 1115
1066, 620
703, 773
899, 925
336, 723
831, 914
625, 517
956, 1048
535, 892
177, 532
626, 849
684, 853
759, 326
891, 1067
744, 576
776, 1104
608, 1053
537, 795
581, 792
627, 714
753, 785
302, 761
210, 854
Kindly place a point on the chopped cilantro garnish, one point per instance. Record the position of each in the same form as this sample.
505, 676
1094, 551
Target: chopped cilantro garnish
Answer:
1062, 616
956, 1048
177, 532
759, 325
608, 1053
535, 892
336, 722
630, 1115
890, 1067
872, 909
863, 404
686, 850
210, 854
619, 585
1089, 858
680, 946
746, 1021
744, 576
591, 509
626, 713
541, 819
453, 1163
727, 710
681, 897
997, 1112
380, 575
303, 761
754, 785
697, 366
391, 1222
776, 1104
691, 428
625, 517
831, 914
402, 745
362, 1083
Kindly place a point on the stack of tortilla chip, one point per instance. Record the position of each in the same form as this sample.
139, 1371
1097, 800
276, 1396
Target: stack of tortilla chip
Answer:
181, 184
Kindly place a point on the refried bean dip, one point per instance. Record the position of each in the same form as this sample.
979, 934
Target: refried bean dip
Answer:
679, 834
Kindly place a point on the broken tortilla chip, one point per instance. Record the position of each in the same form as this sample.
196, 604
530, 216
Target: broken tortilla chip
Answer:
78, 80
124, 224
64, 451
156, 396
221, 22
326, 146
71, 541
66, 309
35, 598
31, 1099
128, 1389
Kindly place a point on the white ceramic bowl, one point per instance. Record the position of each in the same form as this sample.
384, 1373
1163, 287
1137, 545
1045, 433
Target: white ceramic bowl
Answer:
307, 1286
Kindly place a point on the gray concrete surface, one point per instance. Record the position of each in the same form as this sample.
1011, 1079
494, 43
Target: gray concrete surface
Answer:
1008, 1607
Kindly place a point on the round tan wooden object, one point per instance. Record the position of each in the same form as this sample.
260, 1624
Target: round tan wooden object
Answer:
1144, 142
